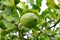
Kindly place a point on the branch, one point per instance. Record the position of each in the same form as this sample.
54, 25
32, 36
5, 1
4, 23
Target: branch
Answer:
46, 29
19, 27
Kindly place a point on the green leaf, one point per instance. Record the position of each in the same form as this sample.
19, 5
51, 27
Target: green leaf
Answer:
30, 11
54, 15
49, 14
41, 21
16, 1
24, 29
35, 32
46, 12
1, 15
2, 7
58, 0
57, 36
22, 5
12, 2
10, 14
0, 33
43, 37
2, 25
58, 11
31, 2
8, 24
58, 5
46, 25
58, 29
51, 4
38, 2
36, 7
8, 2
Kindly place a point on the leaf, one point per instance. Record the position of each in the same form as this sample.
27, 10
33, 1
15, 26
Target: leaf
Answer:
58, 11
8, 24
0, 32
9, 27
57, 29
24, 29
35, 32
10, 14
43, 37
58, 1
12, 2
2, 7
38, 2
36, 7
57, 36
49, 14
2, 25
51, 4
41, 21
31, 2
54, 15
58, 5
46, 12
16, 1
30, 11
46, 25
8, 2
22, 5
1, 16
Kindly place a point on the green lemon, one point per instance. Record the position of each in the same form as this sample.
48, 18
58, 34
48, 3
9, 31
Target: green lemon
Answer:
29, 19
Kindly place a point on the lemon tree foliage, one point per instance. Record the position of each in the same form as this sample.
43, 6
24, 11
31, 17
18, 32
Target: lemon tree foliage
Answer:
24, 20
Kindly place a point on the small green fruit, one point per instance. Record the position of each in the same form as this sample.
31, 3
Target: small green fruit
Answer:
29, 19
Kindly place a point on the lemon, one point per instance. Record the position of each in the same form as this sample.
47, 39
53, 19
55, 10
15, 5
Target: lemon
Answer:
29, 19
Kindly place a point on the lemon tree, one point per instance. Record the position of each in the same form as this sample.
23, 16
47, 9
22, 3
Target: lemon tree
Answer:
25, 20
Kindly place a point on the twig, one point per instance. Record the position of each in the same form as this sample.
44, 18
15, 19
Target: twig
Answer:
19, 27
46, 29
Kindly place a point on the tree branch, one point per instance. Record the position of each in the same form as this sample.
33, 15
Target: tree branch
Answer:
46, 29
19, 27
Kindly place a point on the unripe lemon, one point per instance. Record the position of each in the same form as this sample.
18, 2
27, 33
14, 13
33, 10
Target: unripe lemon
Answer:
29, 19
